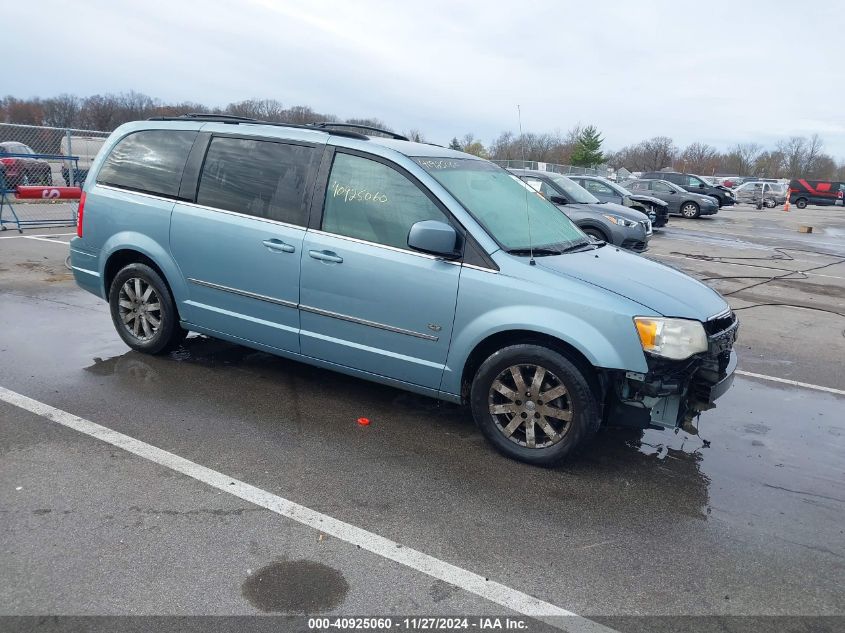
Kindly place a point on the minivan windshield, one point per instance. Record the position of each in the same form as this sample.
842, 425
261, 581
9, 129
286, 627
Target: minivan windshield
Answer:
503, 206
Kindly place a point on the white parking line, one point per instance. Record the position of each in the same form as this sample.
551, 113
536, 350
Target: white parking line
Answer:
794, 383
469, 581
45, 239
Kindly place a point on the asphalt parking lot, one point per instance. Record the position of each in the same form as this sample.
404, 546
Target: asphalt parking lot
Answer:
248, 487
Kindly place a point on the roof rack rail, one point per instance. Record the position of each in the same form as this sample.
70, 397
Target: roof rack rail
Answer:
358, 126
235, 120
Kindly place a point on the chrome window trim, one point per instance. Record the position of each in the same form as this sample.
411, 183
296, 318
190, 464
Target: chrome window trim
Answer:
238, 214
243, 293
385, 246
375, 324
481, 268
135, 193
301, 227
313, 310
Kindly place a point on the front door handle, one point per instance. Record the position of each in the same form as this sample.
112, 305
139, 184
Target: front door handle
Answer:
279, 246
326, 256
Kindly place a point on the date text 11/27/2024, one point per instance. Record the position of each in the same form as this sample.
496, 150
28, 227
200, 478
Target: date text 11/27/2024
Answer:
418, 624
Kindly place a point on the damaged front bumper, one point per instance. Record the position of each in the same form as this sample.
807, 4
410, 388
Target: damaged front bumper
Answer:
672, 393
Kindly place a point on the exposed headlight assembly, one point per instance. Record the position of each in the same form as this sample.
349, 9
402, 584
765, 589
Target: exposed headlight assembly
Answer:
618, 219
675, 339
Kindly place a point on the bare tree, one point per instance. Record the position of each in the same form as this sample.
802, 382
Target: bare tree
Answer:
415, 135
794, 152
699, 158
62, 111
769, 164
262, 109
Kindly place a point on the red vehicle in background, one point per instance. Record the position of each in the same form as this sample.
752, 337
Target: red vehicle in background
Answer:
20, 170
820, 192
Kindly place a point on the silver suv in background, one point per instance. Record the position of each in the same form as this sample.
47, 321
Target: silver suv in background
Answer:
761, 194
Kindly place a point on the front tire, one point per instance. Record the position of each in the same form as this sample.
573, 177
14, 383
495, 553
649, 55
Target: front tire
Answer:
690, 210
533, 404
801, 203
143, 310
596, 233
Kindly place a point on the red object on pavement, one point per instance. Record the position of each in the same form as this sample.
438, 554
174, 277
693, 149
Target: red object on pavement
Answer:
364, 421
48, 193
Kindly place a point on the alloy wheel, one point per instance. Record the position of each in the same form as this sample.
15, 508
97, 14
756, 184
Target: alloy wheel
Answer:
689, 210
530, 406
139, 308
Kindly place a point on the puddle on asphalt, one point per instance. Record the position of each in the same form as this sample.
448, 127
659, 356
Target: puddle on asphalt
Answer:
299, 586
774, 451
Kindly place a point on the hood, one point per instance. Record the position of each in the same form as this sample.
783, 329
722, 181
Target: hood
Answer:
663, 289
655, 201
609, 207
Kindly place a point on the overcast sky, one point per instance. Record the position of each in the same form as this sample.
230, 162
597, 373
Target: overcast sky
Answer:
710, 71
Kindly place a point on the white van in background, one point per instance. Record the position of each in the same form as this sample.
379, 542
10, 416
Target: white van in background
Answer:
86, 148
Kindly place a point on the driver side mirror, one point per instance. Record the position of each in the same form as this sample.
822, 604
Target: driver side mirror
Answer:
701, 185
434, 237
557, 200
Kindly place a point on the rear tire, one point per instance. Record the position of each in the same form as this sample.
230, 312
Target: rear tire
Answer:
690, 210
507, 400
143, 311
801, 203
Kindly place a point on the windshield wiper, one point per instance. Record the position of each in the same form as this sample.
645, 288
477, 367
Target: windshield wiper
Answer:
536, 251
582, 246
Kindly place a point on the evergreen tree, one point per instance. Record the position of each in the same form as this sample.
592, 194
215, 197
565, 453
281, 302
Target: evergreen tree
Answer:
455, 144
588, 148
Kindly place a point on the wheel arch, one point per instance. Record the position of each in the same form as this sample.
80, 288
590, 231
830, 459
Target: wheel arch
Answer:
125, 250
505, 338
596, 226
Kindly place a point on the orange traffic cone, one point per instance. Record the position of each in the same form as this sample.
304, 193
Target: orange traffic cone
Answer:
786, 204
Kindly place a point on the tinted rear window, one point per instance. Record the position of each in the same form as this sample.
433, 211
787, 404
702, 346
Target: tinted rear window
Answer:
260, 178
150, 161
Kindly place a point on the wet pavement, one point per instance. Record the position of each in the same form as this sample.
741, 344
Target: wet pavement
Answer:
747, 519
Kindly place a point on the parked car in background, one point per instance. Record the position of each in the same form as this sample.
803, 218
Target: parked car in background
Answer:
694, 184
681, 201
607, 191
767, 194
19, 170
820, 192
402, 263
606, 221
86, 149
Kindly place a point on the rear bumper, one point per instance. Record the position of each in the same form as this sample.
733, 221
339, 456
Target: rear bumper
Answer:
85, 267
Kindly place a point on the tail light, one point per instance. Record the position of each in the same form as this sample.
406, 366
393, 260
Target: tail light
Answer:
79, 214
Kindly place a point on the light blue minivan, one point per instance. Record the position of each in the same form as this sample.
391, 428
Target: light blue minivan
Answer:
405, 263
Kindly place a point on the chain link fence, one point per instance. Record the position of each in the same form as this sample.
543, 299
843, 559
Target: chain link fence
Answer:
601, 170
48, 156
